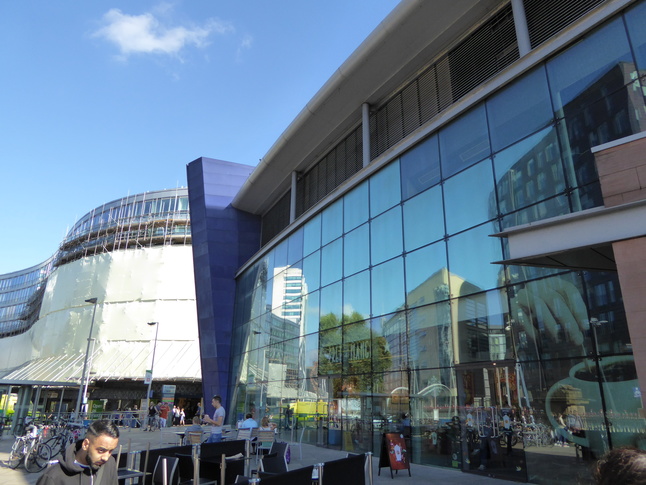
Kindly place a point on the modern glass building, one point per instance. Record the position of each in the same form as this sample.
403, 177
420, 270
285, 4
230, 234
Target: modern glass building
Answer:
80, 319
452, 230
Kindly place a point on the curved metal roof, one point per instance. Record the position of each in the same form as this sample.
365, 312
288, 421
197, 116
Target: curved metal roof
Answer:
412, 35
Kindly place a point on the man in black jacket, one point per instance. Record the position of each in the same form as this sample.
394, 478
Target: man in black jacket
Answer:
87, 462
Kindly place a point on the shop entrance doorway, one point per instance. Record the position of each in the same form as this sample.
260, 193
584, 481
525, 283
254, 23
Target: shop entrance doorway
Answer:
491, 427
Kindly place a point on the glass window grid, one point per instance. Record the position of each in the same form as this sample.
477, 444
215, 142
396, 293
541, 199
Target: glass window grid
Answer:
571, 207
564, 202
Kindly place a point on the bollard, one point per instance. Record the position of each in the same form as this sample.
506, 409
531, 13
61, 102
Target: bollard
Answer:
317, 473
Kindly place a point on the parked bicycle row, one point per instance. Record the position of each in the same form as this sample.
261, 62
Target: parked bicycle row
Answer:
42, 442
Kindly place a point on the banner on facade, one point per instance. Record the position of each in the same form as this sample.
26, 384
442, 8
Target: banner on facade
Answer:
168, 393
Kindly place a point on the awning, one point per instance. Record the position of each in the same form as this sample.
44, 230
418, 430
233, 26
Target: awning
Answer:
56, 371
111, 360
582, 240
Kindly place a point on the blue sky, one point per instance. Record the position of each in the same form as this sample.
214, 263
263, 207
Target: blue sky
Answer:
103, 99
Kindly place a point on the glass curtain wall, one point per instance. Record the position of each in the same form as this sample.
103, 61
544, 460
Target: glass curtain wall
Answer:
386, 306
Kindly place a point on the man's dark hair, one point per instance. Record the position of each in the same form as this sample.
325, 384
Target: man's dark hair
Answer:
218, 398
622, 465
101, 427
248, 416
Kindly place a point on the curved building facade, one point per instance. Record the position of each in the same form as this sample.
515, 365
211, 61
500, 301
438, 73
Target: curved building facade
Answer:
452, 232
122, 266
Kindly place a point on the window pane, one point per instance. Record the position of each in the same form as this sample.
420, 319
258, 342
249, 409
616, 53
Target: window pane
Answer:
529, 171
511, 120
556, 206
550, 318
331, 303
280, 257
357, 351
332, 222
385, 189
386, 236
420, 167
312, 235
312, 271
565, 396
388, 287
311, 351
430, 335
311, 312
635, 20
593, 66
469, 198
617, 114
436, 396
605, 303
464, 142
330, 351
470, 256
423, 219
390, 344
481, 334
427, 275
355, 256
331, 262
356, 300
295, 249
355, 207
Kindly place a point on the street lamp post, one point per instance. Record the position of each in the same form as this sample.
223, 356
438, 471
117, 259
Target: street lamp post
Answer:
84, 376
152, 364
594, 324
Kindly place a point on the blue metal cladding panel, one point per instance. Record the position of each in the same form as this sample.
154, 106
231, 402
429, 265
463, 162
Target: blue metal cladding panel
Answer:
223, 239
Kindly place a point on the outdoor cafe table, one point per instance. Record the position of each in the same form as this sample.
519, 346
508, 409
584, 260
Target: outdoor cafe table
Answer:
219, 461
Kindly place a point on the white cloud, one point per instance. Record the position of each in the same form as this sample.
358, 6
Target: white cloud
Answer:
246, 44
146, 34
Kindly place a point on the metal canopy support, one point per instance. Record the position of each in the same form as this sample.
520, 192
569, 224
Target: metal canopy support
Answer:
520, 24
292, 199
365, 133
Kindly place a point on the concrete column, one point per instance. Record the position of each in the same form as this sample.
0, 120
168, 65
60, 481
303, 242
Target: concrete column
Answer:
292, 201
365, 133
630, 256
520, 23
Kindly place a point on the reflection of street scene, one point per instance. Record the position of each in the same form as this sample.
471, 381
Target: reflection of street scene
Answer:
486, 370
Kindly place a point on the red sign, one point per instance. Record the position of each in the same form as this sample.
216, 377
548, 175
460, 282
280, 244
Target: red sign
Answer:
397, 452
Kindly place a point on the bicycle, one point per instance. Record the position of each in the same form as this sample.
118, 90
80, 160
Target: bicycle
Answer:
29, 451
153, 423
38, 455
61, 439
18, 451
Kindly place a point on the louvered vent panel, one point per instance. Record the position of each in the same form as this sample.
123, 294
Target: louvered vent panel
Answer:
379, 143
395, 125
354, 153
546, 18
321, 187
487, 51
411, 108
343, 161
444, 85
276, 219
329, 162
428, 95
339, 169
